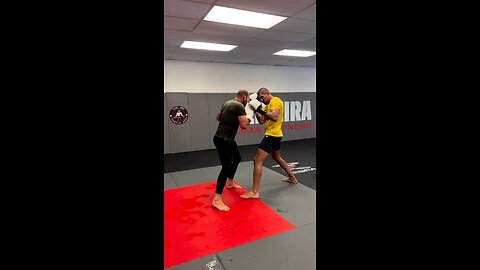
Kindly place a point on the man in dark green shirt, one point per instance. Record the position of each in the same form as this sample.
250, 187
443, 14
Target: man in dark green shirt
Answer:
232, 115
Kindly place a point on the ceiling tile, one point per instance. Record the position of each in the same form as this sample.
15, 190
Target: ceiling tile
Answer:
233, 40
172, 42
173, 23
268, 62
250, 52
301, 61
186, 9
183, 21
285, 36
295, 64
168, 51
203, 1
176, 35
267, 43
309, 13
296, 25
202, 58
307, 45
232, 60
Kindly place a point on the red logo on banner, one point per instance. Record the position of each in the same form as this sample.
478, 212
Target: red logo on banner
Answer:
178, 115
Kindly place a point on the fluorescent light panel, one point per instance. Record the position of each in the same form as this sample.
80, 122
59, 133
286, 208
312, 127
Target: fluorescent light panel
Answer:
207, 46
295, 53
242, 17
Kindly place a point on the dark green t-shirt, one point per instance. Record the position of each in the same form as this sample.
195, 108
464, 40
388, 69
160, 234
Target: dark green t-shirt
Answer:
228, 125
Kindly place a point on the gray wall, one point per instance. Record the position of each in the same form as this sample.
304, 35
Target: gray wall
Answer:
197, 133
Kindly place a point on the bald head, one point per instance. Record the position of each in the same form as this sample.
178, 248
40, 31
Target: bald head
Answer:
242, 96
242, 93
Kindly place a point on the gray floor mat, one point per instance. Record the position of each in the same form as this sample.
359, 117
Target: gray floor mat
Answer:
294, 249
210, 262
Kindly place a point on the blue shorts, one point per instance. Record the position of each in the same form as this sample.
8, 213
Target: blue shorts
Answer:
270, 143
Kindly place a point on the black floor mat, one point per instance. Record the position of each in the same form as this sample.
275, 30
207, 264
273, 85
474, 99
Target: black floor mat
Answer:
301, 151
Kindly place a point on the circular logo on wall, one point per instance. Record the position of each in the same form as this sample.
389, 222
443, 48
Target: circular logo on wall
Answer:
178, 115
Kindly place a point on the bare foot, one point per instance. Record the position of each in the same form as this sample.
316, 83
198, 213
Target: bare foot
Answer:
291, 181
232, 185
290, 166
250, 195
220, 205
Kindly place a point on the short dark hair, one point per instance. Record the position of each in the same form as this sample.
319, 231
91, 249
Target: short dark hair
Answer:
263, 90
242, 93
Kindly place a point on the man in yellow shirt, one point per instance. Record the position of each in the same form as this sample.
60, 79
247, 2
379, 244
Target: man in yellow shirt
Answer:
272, 117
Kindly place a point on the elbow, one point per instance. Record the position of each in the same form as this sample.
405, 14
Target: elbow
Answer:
243, 124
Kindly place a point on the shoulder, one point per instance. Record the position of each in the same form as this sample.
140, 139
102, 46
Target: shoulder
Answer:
237, 105
240, 108
276, 101
232, 104
226, 104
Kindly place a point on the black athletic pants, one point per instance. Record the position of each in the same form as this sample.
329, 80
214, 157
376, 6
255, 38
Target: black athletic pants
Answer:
229, 157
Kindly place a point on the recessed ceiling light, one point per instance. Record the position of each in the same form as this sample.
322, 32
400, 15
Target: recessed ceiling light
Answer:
207, 46
295, 53
242, 17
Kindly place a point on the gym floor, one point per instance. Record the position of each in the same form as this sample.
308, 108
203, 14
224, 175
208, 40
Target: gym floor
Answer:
275, 232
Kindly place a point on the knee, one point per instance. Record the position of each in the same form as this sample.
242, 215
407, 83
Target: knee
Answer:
257, 160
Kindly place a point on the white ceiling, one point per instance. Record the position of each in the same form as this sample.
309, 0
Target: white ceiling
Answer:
183, 20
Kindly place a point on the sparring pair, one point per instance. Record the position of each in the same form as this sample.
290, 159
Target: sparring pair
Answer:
235, 113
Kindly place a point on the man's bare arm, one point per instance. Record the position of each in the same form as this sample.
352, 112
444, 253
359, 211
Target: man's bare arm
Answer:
269, 115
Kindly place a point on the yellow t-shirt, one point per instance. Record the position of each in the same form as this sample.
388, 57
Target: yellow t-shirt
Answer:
274, 128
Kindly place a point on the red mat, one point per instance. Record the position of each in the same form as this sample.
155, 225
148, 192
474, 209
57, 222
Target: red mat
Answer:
193, 228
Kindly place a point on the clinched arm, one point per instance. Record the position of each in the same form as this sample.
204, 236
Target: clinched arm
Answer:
273, 115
